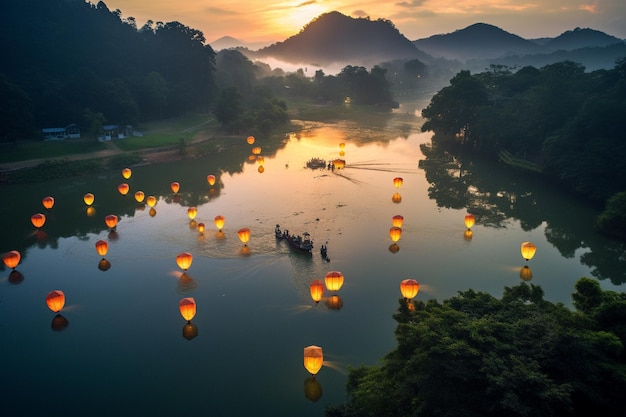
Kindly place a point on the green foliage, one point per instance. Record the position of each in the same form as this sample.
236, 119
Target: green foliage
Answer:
475, 355
613, 219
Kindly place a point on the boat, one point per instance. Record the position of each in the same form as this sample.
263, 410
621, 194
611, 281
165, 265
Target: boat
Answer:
315, 163
278, 232
301, 242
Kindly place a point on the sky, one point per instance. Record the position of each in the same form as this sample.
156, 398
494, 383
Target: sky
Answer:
268, 22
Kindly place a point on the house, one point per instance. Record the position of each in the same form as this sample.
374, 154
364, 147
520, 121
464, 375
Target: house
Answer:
110, 132
61, 133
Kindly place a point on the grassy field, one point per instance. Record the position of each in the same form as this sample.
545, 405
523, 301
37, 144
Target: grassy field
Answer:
24, 150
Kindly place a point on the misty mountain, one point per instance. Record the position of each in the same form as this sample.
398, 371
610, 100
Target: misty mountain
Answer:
478, 41
581, 38
334, 38
228, 42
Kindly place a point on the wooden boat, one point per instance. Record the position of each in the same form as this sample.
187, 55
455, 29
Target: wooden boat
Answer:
300, 242
315, 163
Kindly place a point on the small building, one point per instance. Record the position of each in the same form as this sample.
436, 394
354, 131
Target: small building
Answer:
61, 133
110, 132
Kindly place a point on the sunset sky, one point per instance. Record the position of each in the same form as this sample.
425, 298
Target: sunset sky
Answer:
263, 21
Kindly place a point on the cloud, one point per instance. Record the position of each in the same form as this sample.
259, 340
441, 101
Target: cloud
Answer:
306, 3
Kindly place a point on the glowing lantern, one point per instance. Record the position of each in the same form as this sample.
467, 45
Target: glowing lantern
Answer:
126, 173
244, 235
250, 140
201, 228
469, 220
111, 221
409, 288
256, 150
184, 260
139, 196
395, 233
210, 179
334, 280
187, 307
342, 146
88, 199
397, 220
528, 250
260, 160
397, 182
48, 202
192, 212
175, 187
317, 290
38, 220
151, 201
123, 188
11, 259
339, 163
396, 198
313, 359
219, 222
102, 247
55, 300
525, 273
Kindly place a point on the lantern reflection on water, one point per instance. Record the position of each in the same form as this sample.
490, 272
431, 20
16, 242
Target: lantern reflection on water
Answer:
55, 300
317, 290
396, 198
313, 359
528, 250
526, 274
11, 259
104, 265
334, 302
38, 220
190, 331
409, 288
187, 308
312, 389
48, 202
59, 323
89, 199
201, 228
184, 260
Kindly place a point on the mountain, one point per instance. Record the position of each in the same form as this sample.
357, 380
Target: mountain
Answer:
478, 41
581, 38
228, 42
334, 38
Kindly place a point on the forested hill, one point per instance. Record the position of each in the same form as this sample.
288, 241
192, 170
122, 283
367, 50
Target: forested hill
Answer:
68, 61
335, 38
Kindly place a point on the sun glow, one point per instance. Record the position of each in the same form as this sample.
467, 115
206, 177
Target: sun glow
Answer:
301, 15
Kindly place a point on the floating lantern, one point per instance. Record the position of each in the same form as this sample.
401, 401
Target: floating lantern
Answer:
89, 198
175, 187
334, 280
397, 182
256, 150
250, 140
38, 220
55, 300
469, 220
260, 160
525, 273
395, 233
187, 307
192, 212
123, 188
313, 359
48, 202
244, 235
11, 259
397, 220
184, 260
339, 163
219, 222
342, 146
210, 179
528, 250
102, 247
409, 288
151, 201
139, 196
126, 173
201, 228
396, 198
111, 221
317, 290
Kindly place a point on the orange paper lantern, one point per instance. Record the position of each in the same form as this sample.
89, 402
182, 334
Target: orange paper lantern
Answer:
175, 187
469, 220
89, 198
397, 221
219, 222
210, 179
244, 235
184, 260
55, 300
396, 198
528, 250
395, 233
334, 280
11, 259
250, 140
342, 146
256, 150
111, 221
139, 196
317, 290
48, 202
151, 201
38, 220
126, 173
123, 188
187, 307
397, 182
192, 212
201, 228
102, 247
409, 288
313, 359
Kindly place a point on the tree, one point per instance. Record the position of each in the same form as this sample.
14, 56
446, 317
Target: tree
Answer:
228, 106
